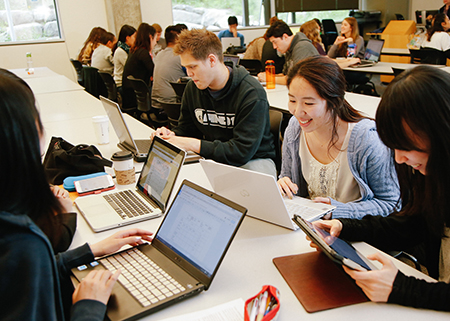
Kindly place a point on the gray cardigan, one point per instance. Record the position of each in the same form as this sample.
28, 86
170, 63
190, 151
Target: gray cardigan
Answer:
371, 164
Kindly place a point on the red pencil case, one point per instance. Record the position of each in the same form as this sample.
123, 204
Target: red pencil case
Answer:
271, 305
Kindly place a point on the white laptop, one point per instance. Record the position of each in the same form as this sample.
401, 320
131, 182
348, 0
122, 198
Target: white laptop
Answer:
148, 199
259, 193
372, 54
138, 147
182, 259
229, 42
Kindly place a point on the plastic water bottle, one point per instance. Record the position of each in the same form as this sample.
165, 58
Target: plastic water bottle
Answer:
351, 50
30, 69
270, 74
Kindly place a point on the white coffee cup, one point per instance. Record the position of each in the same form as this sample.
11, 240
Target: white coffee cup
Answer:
124, 167
101, 127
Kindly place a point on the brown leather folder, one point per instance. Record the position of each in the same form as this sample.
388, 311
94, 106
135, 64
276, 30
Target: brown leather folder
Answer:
317, 282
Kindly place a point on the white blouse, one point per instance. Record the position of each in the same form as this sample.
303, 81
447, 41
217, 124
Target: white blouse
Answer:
333, 180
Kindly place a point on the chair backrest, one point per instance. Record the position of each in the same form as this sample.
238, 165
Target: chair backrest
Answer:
110, 85
276, 118
93, 83
330, 32
143, 94
397, 71
178, 87
433, 56
254, 66
172, 110
77, 65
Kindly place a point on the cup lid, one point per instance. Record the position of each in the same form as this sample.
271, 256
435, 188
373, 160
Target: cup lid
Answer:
122, 155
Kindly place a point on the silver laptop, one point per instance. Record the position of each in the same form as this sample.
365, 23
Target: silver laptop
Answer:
148, 199
230, 42
182, 259
372, 53
259, 193
138, 147
232, 58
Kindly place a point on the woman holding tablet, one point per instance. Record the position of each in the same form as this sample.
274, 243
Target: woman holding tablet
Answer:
413, 119
332, 153
35, 284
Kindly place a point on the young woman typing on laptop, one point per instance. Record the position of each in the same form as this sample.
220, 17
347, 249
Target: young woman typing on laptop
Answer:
413, 120
35, 283
332, 153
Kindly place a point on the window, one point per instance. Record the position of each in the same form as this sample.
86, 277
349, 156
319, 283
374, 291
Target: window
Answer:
213, 14
28, 21
301, 17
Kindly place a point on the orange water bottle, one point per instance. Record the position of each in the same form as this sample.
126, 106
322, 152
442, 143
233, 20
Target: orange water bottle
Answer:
270, 74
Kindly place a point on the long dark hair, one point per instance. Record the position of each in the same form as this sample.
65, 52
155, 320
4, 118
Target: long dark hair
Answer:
438, 20
328, 80
420, 97
142, 37
125, 31
24, 188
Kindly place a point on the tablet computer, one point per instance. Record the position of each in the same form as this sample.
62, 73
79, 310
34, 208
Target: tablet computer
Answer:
336, 249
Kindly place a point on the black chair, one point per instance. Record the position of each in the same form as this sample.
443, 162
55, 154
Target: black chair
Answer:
329, 32
172, 110
79, 70
400, 255
429, 56
152, 116
111, 87
276, 118
397, 71
93, 83
253, 66
178, 87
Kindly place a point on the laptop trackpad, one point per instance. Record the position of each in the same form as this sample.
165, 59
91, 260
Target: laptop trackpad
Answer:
98, 210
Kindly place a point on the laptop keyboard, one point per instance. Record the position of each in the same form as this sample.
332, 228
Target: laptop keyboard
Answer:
127, 204
304, 211
143, 278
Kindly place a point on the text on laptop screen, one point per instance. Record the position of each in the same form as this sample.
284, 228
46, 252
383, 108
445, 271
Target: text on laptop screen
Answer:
373, 50
198, 228
159, 170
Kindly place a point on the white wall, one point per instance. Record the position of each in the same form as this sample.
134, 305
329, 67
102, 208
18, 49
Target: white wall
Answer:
424, 5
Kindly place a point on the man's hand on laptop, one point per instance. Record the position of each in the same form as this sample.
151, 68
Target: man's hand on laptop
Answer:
116, 241
287, 188
162, 132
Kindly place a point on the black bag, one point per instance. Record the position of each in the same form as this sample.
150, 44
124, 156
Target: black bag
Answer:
64, 159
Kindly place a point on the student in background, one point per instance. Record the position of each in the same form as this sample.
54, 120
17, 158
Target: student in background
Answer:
413, 120
35, 283
167, 69
296, 47
102, 58
160, 42
445, 8
331, 153
127, 36
437, 36
90, 45
270, 53
232, 30
349, 34
312, 31
139, 63
224, 110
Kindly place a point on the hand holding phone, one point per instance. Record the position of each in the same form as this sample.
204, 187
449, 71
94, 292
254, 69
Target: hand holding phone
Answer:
94, 185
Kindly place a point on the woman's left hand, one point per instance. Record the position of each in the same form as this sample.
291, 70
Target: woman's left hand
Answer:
376, 284
63, 197
115, 242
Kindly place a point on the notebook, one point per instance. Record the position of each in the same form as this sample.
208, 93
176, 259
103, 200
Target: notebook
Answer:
230, 42
372, 53
139, 147
187, 249
259, 193
148, 199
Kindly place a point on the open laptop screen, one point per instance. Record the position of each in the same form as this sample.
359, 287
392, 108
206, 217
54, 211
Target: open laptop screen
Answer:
373, 50
160, 171
199, 228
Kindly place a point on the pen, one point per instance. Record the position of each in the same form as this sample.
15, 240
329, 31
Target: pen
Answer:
262, 306
270, 304
254, 309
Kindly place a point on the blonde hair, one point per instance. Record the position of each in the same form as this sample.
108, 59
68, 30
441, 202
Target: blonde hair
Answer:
199, 43
157, 27
312, 31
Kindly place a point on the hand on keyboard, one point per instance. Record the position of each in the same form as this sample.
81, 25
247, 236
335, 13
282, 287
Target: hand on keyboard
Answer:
115, 242
97, 285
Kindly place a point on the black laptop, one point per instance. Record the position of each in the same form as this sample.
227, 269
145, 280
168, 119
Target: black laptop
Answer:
182, 259
372, 53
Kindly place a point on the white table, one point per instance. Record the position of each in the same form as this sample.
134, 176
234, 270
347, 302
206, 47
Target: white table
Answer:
52, 84
278, 99
248, 264
39, 72
385, 68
